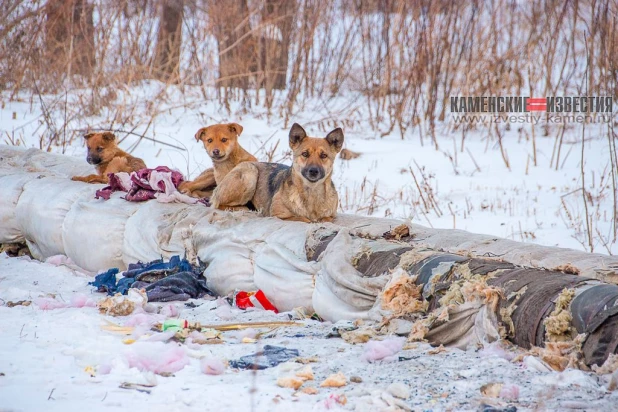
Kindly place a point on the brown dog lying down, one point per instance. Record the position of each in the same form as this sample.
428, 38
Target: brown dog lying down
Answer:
104, 153
221, 144
303, 192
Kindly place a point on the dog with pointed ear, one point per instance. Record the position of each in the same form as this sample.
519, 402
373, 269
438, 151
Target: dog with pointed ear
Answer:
221, 144
303, 192
104, 153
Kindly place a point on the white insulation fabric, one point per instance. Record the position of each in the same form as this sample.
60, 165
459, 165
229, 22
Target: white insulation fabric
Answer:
54, 215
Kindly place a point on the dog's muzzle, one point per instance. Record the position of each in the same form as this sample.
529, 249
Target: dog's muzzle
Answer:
217, 156
313, 173
93, 160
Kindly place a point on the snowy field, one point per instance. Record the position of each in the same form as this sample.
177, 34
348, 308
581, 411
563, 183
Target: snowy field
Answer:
62, 359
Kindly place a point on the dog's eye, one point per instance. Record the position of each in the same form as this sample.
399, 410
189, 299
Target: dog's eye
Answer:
323, 155
224, 140
305, 154
99, 149
209, 140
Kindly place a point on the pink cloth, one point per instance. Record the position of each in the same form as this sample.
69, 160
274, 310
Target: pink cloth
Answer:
160, 183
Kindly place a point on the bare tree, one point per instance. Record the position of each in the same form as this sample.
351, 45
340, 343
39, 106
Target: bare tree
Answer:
166, 65
69, 37
237, 51
275, 38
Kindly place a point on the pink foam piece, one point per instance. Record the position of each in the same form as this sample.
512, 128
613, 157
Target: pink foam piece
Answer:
170, 311
47, 303
495, 349
244, 333
509, 392
157, 357
143, 318
80, 300
383, 350
224, 310
212, 366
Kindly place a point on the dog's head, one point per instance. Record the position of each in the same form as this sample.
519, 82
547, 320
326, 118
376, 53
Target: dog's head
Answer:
219, 140
101, 147
314, 157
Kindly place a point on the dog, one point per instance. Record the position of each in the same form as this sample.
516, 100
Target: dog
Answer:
303, 192
221, 144
104, 153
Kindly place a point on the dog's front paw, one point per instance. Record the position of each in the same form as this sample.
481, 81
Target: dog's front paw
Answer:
185, 187
77, 179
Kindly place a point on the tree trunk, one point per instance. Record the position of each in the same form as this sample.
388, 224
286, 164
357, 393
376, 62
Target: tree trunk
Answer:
277, 21
169, 41
237, 54
69, 37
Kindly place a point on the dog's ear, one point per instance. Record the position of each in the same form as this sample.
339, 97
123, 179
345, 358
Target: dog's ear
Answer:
88, 135
235, 128
109, 136
198, 135
335, 139
297, 135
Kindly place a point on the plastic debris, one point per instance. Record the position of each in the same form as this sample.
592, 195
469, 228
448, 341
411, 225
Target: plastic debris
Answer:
290, 382
177, 324
267, 358
399, 390
11, 304
212, 366
257, 299
120, 305
335, 381
157, 357
383, 350
499, 390
305, 373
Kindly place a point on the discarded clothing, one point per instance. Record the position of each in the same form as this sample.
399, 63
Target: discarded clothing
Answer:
180, 286
145, 184
270, 356
176, 279
106, 282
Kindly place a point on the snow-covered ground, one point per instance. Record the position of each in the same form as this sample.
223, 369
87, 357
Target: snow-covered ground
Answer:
63, 360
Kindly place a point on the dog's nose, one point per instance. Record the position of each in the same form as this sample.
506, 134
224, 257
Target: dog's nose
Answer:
313, 172
216, 152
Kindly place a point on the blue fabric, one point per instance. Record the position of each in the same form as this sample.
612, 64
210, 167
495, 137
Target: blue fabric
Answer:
176, 279
106, 282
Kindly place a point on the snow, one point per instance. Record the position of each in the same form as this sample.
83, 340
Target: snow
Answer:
61, 359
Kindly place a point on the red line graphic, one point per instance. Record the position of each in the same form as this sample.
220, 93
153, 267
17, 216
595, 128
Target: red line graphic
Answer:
536, 104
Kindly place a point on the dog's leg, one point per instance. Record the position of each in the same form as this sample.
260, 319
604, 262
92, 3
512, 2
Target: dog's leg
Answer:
237, 188
278, 209
204, 183
90, 179
327, 219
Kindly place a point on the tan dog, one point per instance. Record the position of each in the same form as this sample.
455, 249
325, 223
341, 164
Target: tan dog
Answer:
303, 192
104, 153
221, 144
